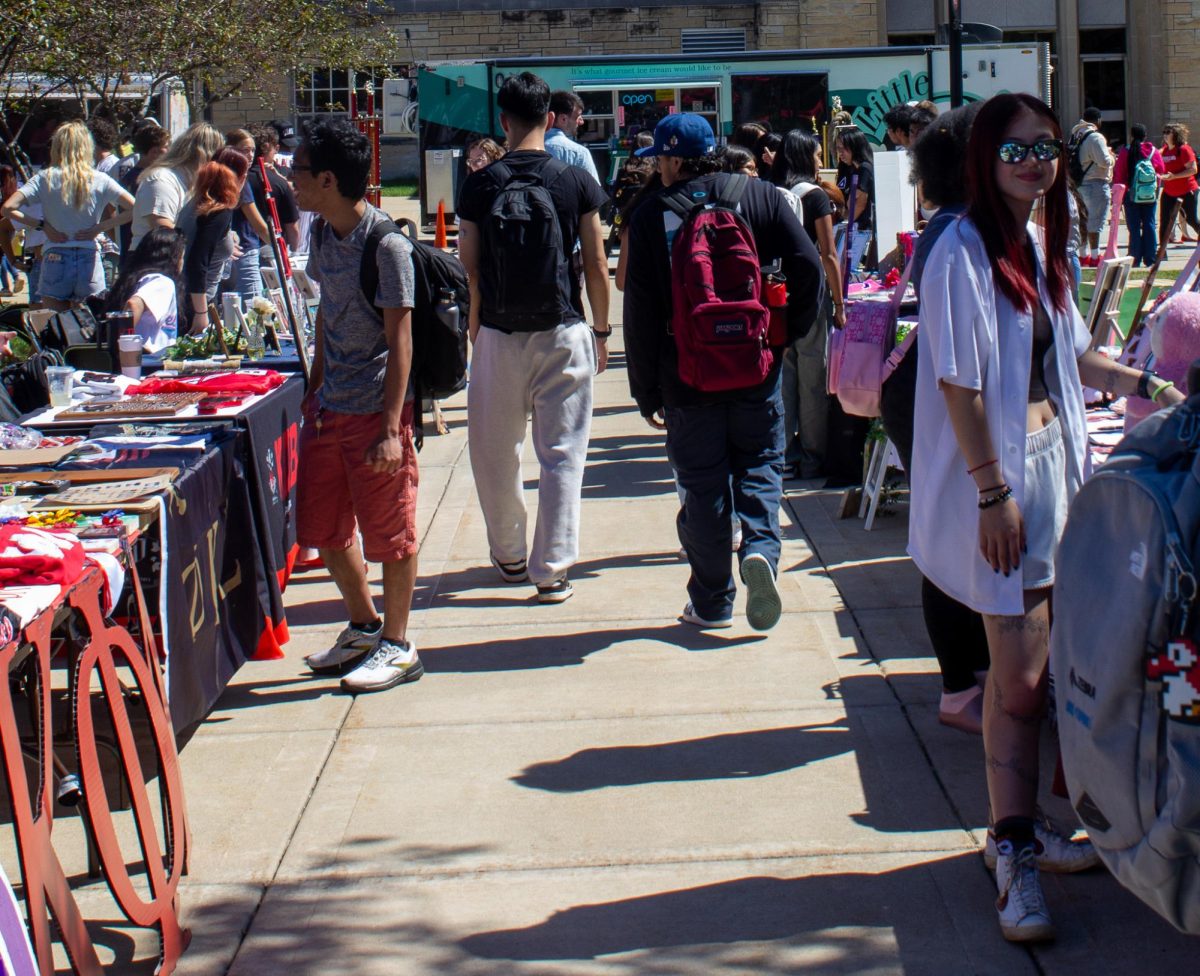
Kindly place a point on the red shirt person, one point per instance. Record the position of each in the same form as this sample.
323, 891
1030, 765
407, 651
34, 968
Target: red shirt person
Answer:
1179, 184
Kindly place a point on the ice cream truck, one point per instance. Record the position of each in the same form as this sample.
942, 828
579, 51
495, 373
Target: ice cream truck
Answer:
623, 95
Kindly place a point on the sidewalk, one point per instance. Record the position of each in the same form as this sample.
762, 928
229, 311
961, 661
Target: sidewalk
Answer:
596, 788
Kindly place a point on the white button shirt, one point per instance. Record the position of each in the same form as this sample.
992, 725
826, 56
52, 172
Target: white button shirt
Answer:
972, 336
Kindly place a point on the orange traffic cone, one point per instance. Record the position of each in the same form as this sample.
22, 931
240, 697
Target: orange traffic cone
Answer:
439, 231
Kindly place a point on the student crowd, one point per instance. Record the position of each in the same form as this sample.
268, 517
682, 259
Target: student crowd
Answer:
987, 410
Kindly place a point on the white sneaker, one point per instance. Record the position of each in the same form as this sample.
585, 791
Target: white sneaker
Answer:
352, 646
391, 663
763, 605
689, 616
1056, 854
1021, 905
514, 572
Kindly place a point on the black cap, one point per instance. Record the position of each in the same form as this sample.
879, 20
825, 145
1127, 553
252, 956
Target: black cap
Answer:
286, 132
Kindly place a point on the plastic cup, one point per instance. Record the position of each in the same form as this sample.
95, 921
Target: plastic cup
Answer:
129, 349
58, 380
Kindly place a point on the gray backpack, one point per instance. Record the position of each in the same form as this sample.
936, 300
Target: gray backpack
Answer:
1124, 651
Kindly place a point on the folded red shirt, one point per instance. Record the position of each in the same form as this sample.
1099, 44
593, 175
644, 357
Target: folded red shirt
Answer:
234, 381
32, 556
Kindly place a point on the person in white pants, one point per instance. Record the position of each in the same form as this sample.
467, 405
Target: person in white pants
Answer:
534, 353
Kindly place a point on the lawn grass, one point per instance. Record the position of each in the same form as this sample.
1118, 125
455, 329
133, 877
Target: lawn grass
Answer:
398, 188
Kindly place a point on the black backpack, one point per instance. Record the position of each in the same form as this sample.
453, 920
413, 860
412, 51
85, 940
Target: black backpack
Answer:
441, 310
440, 318
524, 269
1075, 168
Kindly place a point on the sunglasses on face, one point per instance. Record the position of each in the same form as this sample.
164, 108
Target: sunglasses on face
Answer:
1043, 150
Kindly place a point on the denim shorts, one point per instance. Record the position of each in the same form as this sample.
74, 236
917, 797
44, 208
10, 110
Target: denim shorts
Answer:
1045, 508
1096, 195
70, 273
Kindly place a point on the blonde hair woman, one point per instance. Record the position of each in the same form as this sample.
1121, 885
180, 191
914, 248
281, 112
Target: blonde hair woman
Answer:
73, 196
164, 186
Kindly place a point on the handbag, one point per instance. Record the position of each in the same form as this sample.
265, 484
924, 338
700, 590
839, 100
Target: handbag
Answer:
863, 354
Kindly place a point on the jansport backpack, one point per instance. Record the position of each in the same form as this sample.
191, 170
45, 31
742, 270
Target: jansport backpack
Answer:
524, 268
719, 318
1125, 652
1143, 183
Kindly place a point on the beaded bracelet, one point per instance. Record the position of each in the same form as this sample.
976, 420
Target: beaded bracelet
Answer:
1003, 496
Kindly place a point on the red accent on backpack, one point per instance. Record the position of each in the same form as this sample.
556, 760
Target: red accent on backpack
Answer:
719, 318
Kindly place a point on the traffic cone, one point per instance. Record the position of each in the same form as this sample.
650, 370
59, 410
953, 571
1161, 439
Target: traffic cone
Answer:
439, 231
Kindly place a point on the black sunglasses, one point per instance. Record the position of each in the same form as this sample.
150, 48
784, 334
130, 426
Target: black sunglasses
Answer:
1043, 150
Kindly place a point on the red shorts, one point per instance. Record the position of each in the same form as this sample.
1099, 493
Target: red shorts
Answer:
338, 489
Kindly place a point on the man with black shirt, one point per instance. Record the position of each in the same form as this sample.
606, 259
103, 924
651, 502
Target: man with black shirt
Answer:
723, 446
266, 145
534, 353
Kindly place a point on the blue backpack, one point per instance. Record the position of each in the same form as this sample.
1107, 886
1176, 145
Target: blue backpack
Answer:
1143, 186
1125, 652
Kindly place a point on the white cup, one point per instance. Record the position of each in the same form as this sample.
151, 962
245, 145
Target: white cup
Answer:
58, 381
129, 349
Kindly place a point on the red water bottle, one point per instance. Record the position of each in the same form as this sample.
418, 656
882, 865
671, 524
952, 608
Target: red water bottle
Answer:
775, 298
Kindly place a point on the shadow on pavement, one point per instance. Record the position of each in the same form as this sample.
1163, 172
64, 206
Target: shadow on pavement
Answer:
736, 755
562, 650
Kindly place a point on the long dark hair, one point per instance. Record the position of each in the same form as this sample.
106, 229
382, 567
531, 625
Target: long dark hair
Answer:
1006, 241
8, 181
159, 252
855, 141
795, 162
1137, 135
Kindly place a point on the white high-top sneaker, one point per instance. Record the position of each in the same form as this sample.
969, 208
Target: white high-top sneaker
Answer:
1021, 905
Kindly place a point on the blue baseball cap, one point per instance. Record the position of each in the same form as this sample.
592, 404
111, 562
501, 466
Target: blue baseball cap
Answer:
685, 135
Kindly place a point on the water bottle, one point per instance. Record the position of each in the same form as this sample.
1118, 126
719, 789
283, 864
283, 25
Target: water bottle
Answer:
447, 310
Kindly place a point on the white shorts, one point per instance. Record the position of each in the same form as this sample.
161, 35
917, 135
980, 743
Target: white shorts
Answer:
1045, 508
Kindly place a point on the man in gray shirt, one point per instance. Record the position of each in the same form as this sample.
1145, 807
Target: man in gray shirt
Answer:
358, 463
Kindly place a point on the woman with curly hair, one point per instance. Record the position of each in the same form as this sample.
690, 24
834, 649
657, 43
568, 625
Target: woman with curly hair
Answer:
73, 196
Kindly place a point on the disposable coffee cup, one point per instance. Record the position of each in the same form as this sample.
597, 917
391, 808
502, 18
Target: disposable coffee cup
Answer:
58, 383
129, 348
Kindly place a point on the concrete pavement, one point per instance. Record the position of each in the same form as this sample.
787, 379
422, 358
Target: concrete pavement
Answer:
597, 788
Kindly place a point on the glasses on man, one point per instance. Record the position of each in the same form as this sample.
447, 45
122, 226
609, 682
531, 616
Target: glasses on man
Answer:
1043, 150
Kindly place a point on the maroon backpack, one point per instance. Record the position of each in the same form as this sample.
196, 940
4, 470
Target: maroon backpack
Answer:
719, 318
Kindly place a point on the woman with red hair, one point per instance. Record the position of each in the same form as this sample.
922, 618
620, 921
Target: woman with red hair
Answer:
999, 450
206, 221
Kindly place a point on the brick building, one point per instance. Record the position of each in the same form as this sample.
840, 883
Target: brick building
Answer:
1137, 60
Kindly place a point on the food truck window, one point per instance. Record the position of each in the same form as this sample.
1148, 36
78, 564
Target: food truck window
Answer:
599, 118
784, 101
641, 108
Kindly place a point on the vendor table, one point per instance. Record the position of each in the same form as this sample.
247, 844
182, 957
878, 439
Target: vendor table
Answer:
228, 542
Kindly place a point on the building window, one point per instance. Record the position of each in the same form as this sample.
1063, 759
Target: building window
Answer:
325, 92
700, 41
910, 40
1102, 54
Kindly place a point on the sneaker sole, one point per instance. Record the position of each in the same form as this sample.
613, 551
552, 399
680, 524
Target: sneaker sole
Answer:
347, 665
707, 624
763, 605
558, 597
412, 674
1029, 933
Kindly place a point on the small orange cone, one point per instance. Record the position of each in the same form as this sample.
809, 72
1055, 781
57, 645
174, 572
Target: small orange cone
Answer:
439, 231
